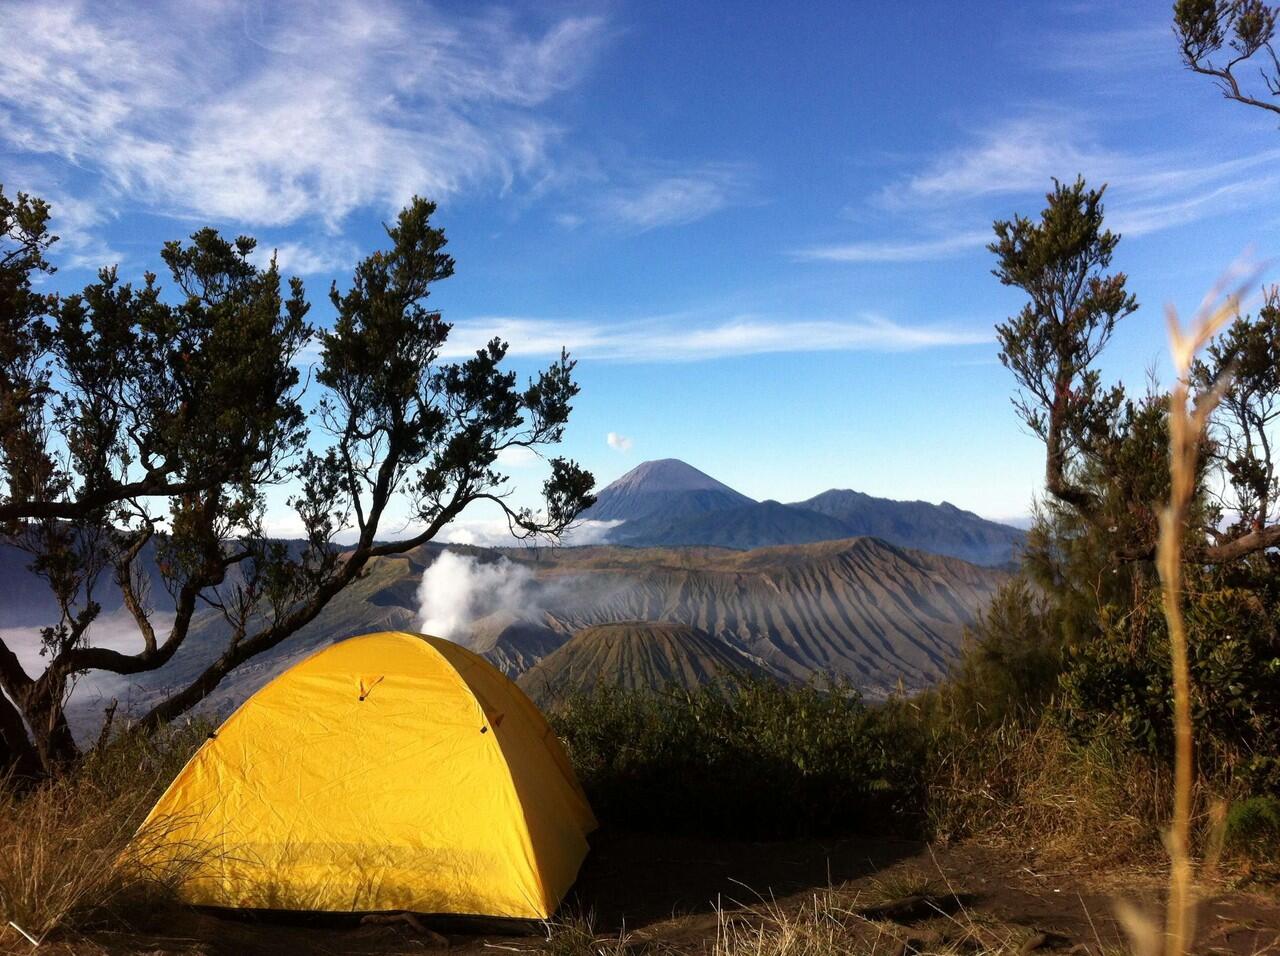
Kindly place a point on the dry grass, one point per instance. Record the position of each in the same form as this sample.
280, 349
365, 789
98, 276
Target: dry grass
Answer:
903, 911
574, 934
62, 843
833, 921
1035, 788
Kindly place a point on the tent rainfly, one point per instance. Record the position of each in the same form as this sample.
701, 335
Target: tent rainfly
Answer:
390, 772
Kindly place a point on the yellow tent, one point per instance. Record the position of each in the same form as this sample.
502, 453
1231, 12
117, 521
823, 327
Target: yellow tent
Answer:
393, 771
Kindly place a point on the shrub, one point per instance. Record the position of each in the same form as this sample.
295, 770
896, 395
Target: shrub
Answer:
1010, 663
757, 759
1253, 827
1119, 684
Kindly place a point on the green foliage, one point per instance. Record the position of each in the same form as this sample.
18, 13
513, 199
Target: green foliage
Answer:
1247, 355
756, 759
1011, 661
1073, 307
139, 419
1217, 38
1253, 827
1072, 310
1120, 683
24, 242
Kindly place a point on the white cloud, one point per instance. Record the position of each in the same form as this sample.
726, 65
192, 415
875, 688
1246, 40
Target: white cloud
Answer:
93, 691
307, 259
74, 221
518, 456
1113, 50
1021, 156
1147, 192
667, 341
618, 442
496, 533
909, 250
307, 110
673, 198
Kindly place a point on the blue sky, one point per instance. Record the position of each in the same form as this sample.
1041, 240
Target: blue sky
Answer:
760, 227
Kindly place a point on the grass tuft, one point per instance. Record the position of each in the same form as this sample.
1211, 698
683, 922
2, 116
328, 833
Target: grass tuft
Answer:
62, 841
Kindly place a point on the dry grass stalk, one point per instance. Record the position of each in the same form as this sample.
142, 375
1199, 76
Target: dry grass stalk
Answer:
1186, 434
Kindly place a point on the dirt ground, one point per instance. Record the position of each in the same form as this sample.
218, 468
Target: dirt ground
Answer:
646, 893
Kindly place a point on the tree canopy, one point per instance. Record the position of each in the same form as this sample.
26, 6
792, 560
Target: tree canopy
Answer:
145, 423
1222, 38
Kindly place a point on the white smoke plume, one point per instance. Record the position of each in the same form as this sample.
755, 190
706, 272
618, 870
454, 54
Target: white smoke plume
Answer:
457, 590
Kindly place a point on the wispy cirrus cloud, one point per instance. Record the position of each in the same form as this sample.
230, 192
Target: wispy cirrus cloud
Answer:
1021, 156
1147, 192
669, 198
667, 340
285, 112
1141, 47
323, 257
891, 250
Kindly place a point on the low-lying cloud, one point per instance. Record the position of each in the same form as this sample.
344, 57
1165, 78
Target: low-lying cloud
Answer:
92, 692
496, 533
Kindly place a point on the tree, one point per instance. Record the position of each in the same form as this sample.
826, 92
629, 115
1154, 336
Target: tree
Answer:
140, 426
1104, 451
1247, 357
1218, 37
24, 240
1092, 548
1052, 343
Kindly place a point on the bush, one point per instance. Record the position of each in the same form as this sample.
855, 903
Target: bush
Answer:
756, 760
1010, 663
1253, 827
1119, 684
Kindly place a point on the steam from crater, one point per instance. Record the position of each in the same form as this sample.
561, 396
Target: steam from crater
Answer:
458, 589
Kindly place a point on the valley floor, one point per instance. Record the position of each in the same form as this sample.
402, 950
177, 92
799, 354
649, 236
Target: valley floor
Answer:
661, 894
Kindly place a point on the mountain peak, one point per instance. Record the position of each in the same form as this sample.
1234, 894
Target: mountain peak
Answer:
668, 474
666, 486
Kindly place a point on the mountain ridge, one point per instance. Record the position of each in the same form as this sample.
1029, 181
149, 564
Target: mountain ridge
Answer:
669, 503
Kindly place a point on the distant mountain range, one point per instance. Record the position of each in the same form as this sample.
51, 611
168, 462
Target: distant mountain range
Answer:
863, 610
873, 591
668, 503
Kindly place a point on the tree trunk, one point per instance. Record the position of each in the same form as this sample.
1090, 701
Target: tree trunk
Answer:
53, 739
45, 717
19, 758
